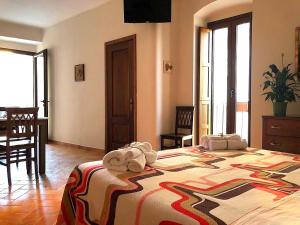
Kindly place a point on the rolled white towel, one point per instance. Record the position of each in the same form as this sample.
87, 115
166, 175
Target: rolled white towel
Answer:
217, 144
237, 145
115, 158
137, 164
235, 137
132, 153
204, 141
151, 157
134, 157
146, 148
118, 160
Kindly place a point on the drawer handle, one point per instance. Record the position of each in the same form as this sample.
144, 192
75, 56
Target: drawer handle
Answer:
275, 127
275, 144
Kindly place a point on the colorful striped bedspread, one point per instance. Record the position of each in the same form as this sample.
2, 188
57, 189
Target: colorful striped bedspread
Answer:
188, 187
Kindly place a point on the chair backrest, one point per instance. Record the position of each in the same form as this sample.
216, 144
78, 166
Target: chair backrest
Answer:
184, 118
21, 123
2, 116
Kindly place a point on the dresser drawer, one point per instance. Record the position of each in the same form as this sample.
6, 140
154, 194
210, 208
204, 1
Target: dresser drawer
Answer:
282, 127
282, 144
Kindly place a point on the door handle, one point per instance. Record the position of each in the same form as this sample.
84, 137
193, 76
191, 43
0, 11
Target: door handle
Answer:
275, 127
232, 92
275, 144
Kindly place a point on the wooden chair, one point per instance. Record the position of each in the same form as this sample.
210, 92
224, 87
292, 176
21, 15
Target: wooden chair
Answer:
20, 139
2, 129
184, 121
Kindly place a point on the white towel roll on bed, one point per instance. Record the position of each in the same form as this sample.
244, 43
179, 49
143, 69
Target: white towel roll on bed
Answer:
115, 158
237, 145
131, 158
228, 141
146, 148
137, 164
217, 144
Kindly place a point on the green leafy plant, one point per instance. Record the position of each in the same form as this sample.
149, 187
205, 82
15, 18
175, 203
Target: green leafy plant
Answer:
280, 85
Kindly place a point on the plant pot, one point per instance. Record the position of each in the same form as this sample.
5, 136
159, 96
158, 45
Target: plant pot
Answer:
279, 108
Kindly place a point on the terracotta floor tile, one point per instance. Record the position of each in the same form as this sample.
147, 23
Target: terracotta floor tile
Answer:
31, 202
16, 194
6, 202
3, 195
11, 190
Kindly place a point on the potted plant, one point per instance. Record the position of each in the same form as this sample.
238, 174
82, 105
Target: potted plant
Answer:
280, 87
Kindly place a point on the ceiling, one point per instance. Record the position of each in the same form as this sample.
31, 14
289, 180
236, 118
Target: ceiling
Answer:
44, 13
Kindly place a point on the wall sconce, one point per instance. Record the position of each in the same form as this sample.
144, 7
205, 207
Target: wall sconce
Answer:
168, 67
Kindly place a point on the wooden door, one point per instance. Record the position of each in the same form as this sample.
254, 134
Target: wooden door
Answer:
120, 92
205, 81
232, 38
41, 82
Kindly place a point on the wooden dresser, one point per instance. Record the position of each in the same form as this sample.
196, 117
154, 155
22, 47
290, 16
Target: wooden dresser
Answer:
281, 134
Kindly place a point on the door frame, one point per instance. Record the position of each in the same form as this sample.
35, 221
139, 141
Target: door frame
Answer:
21, 52
107, 44
231, 68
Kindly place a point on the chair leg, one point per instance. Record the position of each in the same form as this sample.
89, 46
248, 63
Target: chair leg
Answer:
17, 163
36, 164
182, 143
179, 143
8, 174
28, 161
8, 169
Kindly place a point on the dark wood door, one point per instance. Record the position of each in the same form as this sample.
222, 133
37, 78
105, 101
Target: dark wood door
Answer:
232, 38
41, 82
120, 92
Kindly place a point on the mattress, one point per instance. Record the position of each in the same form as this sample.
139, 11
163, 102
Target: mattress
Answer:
188, 186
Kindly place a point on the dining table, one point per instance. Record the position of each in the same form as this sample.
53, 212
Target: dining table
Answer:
42, 140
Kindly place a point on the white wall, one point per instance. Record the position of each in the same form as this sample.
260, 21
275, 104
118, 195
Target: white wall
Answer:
273, 34
166, 39
78, 109
274, 23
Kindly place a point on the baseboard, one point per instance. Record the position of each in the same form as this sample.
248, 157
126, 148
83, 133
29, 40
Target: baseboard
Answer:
75, 146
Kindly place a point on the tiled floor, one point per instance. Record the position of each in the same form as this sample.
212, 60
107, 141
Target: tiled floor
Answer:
29, 202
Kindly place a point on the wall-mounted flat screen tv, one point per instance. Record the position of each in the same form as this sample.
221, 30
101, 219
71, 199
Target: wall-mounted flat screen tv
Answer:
147, 11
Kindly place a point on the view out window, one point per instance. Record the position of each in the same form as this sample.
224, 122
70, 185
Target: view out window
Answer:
220, 39
16, 80
242, 79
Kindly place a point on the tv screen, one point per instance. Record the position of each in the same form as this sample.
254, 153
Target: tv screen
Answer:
152, 11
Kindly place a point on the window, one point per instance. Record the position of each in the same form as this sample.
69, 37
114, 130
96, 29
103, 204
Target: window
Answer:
24, 79
224, 70
16, 79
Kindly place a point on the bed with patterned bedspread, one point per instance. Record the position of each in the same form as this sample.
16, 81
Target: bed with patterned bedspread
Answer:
188, 187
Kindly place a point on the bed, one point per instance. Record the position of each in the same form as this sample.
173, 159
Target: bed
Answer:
188, 186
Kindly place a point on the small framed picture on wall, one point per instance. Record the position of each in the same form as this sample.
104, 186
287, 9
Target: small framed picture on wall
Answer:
79, 72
